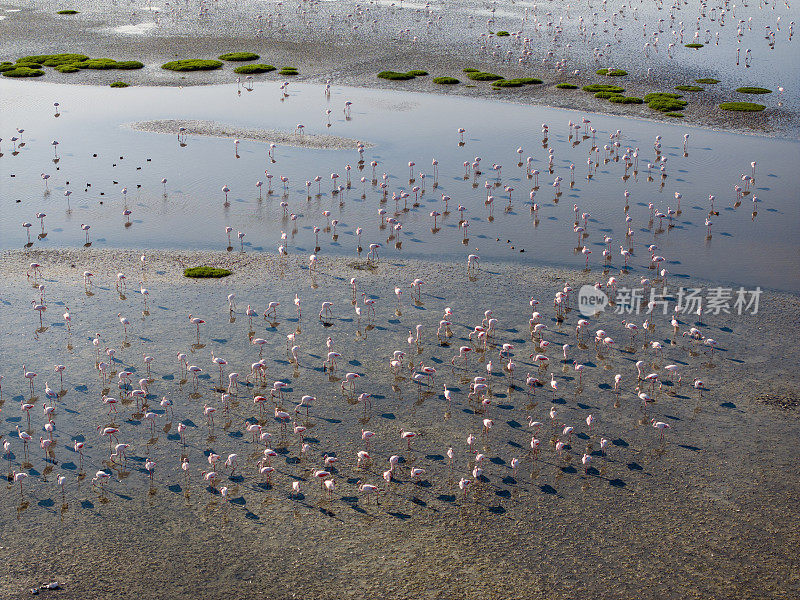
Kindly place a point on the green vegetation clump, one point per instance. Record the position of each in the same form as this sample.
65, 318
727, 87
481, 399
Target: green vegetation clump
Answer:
71, 62
395, 76
665, 102
566, 86
446, 80
689, 88
98, 63
503, 83
206, 272
192, 64
518, 82
119, 84
239, 56
417, 72
254, 68
483, 76
736, 106
37, 59
23, 71
31, 66
625, 100
289, 71
470, 70
602, 87
502, 33
674, 114
694, 45
612, 72
128, 65
707, 80
753, 90
655, 95
606, 95
56, 60
67, 11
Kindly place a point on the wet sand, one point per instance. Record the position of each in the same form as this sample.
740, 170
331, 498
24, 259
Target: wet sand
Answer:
710, 513
214, 129
353, 57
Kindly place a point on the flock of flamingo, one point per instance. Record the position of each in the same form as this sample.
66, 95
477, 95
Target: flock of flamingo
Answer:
537, 35
278, 416
269, 423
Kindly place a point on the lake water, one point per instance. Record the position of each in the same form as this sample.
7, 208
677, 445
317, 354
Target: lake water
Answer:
744, 248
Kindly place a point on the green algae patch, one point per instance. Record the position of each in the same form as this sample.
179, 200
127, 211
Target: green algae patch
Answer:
205, 272
753, 90
612, 72
253, 69
192, 64
734, 106
239, 56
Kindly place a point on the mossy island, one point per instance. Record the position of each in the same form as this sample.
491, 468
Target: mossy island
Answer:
619, 99
192, 64
239, 56
253, 69
742, 106
402, 76
518, 82
23, 71
483, 76
205, 272
602, 87
612, 72
753, 90
665, 102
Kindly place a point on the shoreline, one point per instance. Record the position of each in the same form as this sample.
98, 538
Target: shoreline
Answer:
251, 260
772, 122
346, 59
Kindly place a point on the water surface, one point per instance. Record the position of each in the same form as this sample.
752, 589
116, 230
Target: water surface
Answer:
188, 212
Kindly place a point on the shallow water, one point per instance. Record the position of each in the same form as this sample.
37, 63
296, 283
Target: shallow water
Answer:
674, 502
403, 127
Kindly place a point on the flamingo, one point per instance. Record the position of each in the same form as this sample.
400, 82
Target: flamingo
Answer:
29, 375
661, 426
408, 436
350, 378
196, 322
462, 353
